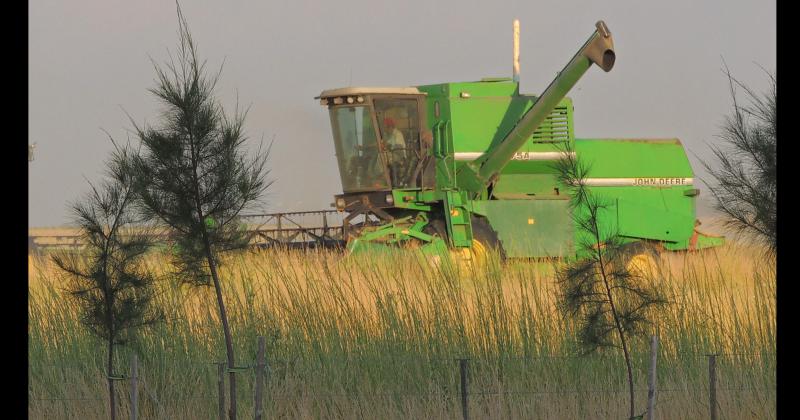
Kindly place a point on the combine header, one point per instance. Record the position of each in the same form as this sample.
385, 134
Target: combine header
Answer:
470, 166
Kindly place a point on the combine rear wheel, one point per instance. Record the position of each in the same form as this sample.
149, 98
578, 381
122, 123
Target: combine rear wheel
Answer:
642, 259
484, 240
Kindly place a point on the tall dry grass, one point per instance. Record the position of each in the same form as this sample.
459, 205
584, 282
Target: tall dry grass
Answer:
377, 337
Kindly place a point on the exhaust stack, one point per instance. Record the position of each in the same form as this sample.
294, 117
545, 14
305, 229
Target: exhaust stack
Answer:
516, 51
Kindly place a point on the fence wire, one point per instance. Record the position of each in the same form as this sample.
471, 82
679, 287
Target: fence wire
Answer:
449, 384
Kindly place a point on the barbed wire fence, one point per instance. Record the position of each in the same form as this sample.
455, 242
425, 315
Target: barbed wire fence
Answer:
463, 383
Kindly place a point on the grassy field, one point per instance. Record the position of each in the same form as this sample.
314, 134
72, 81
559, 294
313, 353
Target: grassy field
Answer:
379, 338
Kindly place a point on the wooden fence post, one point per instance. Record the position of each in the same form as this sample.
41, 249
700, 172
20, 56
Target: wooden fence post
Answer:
259, 377
712, 385
464, 407
134, 387
221, 389
651, 385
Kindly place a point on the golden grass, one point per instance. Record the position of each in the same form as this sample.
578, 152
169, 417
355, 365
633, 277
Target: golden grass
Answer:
319, 309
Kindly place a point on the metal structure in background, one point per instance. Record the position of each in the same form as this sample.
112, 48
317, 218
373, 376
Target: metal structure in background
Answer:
303, 229
300, 229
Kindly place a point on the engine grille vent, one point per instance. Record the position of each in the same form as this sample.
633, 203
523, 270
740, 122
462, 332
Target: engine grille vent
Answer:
556, 128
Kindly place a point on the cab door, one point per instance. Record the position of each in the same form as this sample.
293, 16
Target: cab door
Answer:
400, 121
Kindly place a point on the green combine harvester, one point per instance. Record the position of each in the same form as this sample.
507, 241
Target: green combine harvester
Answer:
460, 168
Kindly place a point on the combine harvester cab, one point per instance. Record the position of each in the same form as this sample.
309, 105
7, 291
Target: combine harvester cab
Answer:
471, 166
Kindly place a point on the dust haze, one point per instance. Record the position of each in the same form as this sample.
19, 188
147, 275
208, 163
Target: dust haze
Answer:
89, 65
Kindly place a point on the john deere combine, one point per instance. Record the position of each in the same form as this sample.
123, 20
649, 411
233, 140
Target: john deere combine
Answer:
469, 166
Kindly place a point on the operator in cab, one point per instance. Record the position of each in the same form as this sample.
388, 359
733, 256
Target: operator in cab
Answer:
395, 144
392, 136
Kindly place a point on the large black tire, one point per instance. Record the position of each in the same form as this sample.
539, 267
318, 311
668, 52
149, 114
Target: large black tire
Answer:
437, 228
482, 232
643, 256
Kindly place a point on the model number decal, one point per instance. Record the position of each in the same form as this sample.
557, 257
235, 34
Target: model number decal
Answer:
527, 156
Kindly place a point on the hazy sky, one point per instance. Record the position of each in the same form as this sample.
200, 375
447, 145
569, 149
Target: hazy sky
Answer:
89, 64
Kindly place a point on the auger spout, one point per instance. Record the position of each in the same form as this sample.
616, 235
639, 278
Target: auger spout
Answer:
599, 50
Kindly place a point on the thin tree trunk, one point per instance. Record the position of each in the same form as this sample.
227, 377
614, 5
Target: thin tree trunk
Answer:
213, 268
616, 319
621, 339
111, 402
109, 304
630, 369
227, 331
